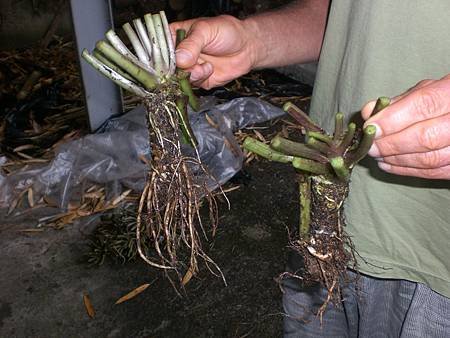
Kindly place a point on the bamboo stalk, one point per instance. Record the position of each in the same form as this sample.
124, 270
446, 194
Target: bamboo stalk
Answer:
147, 79
265, 151
348, 138
156, 51
99, 56
310, 166
118, 44
320, 136
338, 127
169, 40
138, 48
113, 75
305, 206
289, 147
161, 40
301, 117
364, 146
143, 37
339, 167
318, 145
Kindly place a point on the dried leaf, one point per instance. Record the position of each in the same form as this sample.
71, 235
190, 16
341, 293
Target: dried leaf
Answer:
211, 121
30, 197
88, 305
119, 199
133, 293
260, 136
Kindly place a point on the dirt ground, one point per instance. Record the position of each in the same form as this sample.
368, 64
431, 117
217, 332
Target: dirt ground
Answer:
45, 275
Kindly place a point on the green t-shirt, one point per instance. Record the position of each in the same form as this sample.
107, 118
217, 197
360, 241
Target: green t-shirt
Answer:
400, 225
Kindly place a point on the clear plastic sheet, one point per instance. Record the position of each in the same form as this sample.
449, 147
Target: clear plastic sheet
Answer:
113, 156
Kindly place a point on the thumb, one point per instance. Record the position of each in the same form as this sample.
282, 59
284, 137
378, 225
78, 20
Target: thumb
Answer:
188, 51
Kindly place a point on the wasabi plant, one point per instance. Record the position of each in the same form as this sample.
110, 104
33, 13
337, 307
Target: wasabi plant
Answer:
168, 217
324, 164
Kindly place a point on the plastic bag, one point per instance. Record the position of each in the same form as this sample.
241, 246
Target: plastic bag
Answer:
113, 157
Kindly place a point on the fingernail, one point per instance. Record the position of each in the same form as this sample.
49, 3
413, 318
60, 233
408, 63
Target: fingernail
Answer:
183, 56
374, 152
194, 77
208, 68
384, 166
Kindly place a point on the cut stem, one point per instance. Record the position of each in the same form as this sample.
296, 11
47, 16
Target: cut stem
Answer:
289, 147
147, 79
301, 117
381, 103
138, 48
265, 151
169, 40
111, 65
143, 37
160, 35
305, 206
338, 127
310, 166
348, 138
339, 167
113, 75
318, 145
186, 130
320, 136
364, 146
156, 51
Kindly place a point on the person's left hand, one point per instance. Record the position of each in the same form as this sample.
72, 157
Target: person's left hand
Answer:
413, 132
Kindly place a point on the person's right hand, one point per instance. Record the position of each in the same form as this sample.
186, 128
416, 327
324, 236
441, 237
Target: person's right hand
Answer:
215, 50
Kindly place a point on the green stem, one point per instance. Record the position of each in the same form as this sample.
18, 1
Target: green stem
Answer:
147, 79
183, 77
265, 151
113, 75
188, 136
310, 166
318, 145
339, 167
289, 147
111, 65
161, 40
338, 127
305, 206
136, 43
348, 138
381, 103
156, 51
364, 146
320, 136
301, 117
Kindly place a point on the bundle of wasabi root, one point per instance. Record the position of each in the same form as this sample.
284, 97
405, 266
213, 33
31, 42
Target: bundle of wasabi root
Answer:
170, 229
324, 164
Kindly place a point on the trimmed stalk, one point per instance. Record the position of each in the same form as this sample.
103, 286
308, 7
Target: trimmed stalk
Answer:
305, 206
183, 77
117, 43
381, 103
169, 40
265, 151
138, 48
296, 149
161, 40
339, 167
147, 79
143, 36
301, 117
318, 145
310, 166
100, 57
320, 136
364, 146
348, 138
338, 127
113, 75
186, 130
156, 50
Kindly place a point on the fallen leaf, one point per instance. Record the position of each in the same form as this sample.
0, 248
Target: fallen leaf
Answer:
132, 294
187, 277
88, 305
30, 197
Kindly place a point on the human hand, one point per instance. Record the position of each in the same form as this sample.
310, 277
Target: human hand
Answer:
413, 132
215, 50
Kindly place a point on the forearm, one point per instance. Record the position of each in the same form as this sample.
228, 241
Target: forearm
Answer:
293, 34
